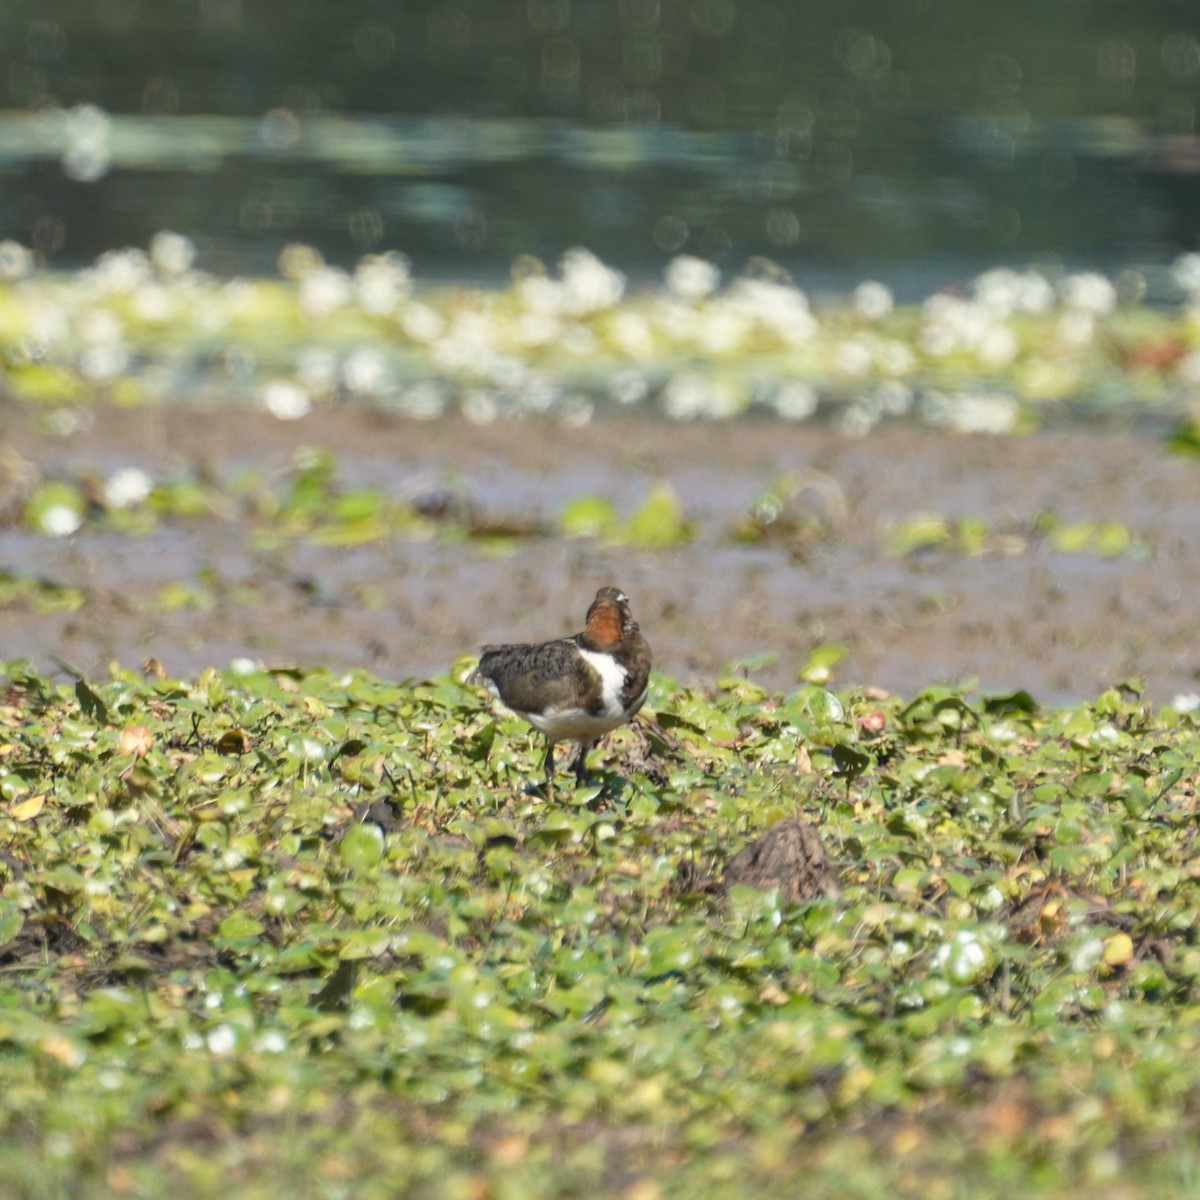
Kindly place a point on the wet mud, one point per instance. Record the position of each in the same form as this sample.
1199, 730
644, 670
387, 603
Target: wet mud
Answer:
1022, 614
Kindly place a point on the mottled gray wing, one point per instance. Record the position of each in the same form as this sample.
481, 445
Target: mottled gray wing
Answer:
535, 678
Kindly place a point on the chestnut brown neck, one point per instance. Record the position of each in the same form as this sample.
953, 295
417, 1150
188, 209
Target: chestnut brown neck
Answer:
603, 628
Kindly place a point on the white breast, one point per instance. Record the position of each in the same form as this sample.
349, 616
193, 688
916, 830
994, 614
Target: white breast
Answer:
566, 723
612, 680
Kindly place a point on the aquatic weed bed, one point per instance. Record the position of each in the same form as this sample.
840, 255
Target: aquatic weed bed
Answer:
1002, 353
308, 930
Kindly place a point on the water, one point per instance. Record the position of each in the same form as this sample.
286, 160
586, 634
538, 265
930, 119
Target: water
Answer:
906, 139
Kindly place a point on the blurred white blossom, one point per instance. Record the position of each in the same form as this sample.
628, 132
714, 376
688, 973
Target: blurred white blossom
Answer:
589, 285
323, 291
794, 401
60, 520
127, 487
87, 153
690, 395
171, 253
285, 400
1186, 273
364, 371
1088, 292
16, 262
381, 281
779, 307
691, 278
873, 300
421, 323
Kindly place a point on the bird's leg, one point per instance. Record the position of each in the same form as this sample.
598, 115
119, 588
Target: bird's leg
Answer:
548, 767
580, 761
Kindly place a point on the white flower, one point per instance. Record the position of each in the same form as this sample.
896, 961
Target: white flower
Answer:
578, 340
894, 398
689, 395
271, 1041
997, 291
103, 364
222, 1040
873, 300
127, 487
781, 308
1034, 293
60, 520
540, 294
1186, 273
285, 400
795, 401
120, 271
857, 420
1004, 291
575, 411
982, 412
323, 291
171, 253
720, 331
629, 387
963, 959
997, 347
1186, 702
99, 327
1088, 292
15, 260
632, 334
536, 329
852, 357
590, 285
154, 303
691, 278
381, 282
421, 323
365, 371
86, 154
894, 357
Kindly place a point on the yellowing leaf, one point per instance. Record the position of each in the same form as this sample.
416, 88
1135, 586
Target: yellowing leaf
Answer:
26, 810
1118, 949
135, 740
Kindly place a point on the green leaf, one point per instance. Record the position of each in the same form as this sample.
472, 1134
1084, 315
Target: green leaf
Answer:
659, 522
361, 849
12, 921
93, 707
588, 516
821, 661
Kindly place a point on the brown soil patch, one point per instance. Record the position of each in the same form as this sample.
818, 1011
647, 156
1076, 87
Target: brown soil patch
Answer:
1061, 625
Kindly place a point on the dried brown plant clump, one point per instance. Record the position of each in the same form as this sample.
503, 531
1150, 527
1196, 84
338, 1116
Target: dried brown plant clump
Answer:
789, 856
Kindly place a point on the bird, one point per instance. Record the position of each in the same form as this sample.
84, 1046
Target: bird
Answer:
574, 688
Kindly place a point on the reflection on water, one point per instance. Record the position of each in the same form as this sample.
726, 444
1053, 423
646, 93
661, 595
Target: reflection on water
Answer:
825, 136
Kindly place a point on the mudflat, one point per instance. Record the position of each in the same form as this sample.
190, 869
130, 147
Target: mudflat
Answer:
1011, 607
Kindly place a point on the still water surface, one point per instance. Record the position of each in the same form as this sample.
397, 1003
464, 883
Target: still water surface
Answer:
914, 140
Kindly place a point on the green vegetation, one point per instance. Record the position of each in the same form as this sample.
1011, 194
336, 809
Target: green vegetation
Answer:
274, 932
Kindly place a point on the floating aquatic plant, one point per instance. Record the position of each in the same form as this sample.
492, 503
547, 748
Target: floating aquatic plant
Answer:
1014, 348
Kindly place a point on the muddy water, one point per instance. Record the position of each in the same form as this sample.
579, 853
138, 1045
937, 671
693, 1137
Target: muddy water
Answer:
1021, 615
